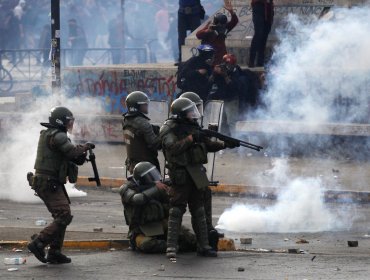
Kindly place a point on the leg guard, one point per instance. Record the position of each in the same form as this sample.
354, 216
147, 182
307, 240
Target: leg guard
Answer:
199, 221
174, 223
208, 207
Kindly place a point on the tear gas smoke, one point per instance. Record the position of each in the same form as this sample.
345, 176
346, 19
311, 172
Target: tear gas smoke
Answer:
320, 70
18, 149
320, 73
299, 208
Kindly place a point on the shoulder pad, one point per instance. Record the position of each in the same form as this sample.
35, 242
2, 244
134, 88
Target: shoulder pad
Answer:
123, 189
61, 141
60, 137
166, 127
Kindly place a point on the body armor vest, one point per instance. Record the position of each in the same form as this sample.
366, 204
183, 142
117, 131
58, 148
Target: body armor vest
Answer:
137, 148
50, 161
196, 154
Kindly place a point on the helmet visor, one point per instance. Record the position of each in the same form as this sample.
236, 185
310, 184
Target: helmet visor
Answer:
200, 108
150, 176
191, 112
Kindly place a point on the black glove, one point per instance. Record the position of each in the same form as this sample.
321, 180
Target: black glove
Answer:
231, 144
156, 129
198, 136
89, 145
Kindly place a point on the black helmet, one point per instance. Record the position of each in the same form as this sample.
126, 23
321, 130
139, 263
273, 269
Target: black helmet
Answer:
206, 51
60, 117
195, 98
145, 173
220, 19
135, 99
184, 108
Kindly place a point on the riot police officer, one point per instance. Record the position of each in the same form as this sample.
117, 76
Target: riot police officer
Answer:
196, 99
213, 235
185, 150
146, 204
141, 138
57, 159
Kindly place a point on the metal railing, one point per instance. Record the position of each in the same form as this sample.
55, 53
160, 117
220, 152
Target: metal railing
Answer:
20, 70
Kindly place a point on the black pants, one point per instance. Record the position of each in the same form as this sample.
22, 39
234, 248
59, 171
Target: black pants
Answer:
58, 205
262, 28
185, 23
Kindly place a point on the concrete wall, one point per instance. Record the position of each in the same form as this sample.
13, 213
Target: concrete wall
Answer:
112, 83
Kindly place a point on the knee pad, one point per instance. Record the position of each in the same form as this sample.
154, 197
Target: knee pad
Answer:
198, 213
64, 220
176, 212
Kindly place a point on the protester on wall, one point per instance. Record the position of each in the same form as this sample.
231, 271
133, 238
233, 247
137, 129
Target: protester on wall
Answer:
190, 14
215, 32
263, 14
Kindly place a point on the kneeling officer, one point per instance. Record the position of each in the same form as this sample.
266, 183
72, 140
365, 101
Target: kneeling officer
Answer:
146, 205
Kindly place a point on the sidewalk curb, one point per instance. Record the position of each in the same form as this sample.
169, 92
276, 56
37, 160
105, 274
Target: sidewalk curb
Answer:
77, 244
340, 196
225, 244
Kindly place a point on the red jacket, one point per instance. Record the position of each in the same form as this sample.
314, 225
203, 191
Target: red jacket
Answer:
208, 36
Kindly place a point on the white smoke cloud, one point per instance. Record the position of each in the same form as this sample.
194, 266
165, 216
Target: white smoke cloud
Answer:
318, 65
19, 146
299, 208
320, 73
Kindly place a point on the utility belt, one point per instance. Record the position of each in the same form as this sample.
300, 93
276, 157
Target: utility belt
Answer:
45, 180
190, 10
46, 173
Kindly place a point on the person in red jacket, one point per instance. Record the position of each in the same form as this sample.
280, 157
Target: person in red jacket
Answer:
215, 32
263, 14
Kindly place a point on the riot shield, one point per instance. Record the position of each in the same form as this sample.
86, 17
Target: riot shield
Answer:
158, 112
212, 119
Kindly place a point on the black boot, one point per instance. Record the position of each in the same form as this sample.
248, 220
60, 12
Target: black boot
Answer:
56, 257
36, 247
174, 223
213, 238
200, 229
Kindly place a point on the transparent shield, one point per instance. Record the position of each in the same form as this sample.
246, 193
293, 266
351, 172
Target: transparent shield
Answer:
213, 113
212, 119
158, 112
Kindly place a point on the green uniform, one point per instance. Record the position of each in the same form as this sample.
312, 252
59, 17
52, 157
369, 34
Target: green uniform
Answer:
55, 162
185, 159
146, 213
142, 143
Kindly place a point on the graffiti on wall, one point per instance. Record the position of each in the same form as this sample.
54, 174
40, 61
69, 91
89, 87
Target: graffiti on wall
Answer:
112, 86
245, 26
98, 130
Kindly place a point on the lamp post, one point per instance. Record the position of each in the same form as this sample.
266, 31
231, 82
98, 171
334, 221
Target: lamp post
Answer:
55, 46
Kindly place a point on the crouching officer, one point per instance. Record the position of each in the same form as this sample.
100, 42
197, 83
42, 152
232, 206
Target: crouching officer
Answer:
57, 158
141, 138
185, 150
146, 204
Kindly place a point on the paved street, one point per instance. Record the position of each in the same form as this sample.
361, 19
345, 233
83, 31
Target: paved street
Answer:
326, 256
